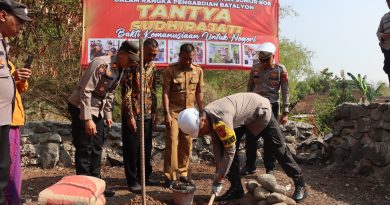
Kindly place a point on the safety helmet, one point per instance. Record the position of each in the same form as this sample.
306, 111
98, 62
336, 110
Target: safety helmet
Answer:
188, 121
267, 47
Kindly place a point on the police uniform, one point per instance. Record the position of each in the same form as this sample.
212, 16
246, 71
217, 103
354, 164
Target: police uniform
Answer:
7, 94
251, 113
267, 82
182, 85
384, 28
131, 108
92, 99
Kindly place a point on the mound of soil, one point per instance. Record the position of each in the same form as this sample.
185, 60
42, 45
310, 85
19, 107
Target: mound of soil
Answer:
149, 200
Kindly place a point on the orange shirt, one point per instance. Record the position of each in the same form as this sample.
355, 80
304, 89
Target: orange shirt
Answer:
18, 117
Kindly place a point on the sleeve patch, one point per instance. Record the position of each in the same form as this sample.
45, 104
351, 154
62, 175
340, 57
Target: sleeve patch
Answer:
226, 134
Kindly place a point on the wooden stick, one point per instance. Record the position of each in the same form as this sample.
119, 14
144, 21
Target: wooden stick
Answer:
212, 199
142, 141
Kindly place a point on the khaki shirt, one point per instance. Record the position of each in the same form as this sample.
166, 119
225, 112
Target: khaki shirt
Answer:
242, 109
7, 85
181, 85
131, 92
94, 93
384, 28
268, 81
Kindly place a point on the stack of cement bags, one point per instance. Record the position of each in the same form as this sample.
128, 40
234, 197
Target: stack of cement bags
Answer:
78, 189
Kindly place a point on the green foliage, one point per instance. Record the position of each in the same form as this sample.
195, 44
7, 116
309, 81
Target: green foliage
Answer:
367, 92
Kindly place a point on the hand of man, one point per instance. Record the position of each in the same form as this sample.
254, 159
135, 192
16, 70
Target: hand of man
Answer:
22, 74
168, 121
217, 188
133, 124
284, 118
90, 128
108, 122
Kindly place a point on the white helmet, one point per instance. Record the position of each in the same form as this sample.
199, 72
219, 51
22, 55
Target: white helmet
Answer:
267, 47
188, 121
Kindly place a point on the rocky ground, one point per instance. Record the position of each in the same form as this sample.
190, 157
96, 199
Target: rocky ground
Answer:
325, 186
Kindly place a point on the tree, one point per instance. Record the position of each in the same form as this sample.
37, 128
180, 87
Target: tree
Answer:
367, 92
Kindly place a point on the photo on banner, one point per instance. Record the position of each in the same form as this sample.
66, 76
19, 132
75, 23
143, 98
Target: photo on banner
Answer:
161, 55
223, 53
103, 47
174, 50
250, 54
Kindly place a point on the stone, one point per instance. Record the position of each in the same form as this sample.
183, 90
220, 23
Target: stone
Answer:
251, 185
365, 168
48, 123
292, 149
376, 114
41, 129
68, 146
65, 159
328, 137
160, 128
54, 138
338, 155
114, 135
363, 124
115, 159
33, 139
260, 193
386, 174
380, 135
29, 150
50, 154
357, 151
206, 155
386, 116
207, 140
262, 202
385, 125
290, 139
248, 199
342, 111
357, 135
281, 189
158, 157
383, 107
63, 132
267, 181
25, 132
277, 198
378, 153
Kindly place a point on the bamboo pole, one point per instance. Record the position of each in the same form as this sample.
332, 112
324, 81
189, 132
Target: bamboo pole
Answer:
142, 141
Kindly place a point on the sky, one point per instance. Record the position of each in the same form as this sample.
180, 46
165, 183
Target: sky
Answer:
341, 33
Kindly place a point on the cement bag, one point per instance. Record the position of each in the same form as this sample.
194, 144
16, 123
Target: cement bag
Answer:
77, 189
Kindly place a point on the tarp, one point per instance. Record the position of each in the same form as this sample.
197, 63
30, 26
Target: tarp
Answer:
225, 33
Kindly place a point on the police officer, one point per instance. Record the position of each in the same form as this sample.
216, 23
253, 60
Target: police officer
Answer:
13, 16
182, 87
131, 119
248, 111
383, 34
266, 79
90, 106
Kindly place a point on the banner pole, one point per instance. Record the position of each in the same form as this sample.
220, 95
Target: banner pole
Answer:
142, 141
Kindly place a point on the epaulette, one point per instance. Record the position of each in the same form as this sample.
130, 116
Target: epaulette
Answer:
196, 65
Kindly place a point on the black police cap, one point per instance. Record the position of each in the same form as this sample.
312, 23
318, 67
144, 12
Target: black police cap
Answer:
16, 8
132, 48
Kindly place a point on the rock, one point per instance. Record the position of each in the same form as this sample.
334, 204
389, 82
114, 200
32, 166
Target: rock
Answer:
386, 116
363, 124
65, 159
33, 139
207, 140
115, 159
290, 139
29, 150
268, 181
281, 189
365, 168
376, 114
328, 137
262, 202
56, 138
378, 153
251, 185
160, 128
248, 199
260, 193
50, 154
114, 135
278, 198
41, 129
26, 132
292, 149
64, 132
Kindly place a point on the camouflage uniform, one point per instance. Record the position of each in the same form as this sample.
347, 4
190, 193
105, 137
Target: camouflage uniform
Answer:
131, 108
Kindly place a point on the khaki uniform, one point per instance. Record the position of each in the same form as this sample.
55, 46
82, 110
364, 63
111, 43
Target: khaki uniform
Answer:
182, 85
92, 99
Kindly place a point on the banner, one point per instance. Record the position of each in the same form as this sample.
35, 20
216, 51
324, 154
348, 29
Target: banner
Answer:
225, 33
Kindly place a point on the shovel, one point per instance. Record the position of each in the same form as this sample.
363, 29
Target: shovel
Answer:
211, 199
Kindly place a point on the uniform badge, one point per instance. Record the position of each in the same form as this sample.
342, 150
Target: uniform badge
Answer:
225, 134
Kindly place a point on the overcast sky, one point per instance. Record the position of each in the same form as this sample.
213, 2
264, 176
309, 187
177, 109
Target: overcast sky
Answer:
341, 33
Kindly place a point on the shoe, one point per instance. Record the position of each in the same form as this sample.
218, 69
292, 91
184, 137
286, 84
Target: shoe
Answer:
135, 188
151, 182
168, 183
271, 172
300, 192
109, 193
231, 194
245, 171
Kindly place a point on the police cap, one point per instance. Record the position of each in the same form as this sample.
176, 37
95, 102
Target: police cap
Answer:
132, 48
16, 8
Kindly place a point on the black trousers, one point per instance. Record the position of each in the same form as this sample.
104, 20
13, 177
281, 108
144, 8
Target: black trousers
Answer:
386, 63
275, 140
5, 159
88, 154
132, 152
251, 147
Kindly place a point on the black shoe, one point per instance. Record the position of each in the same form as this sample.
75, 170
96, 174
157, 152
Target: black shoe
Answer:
245, 171
168, 183
151, 182
108, 193
135, 188
271, 172
300, 192
231, 194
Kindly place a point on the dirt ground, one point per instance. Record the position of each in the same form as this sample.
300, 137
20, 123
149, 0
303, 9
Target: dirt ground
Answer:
324, 186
